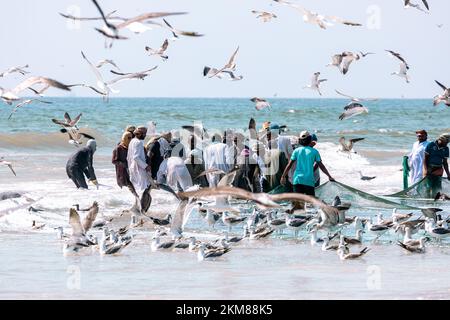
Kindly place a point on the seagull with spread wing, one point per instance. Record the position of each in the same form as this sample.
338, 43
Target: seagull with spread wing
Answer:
404, 67
264, 15
13, 70
229, 66
348, 147
316, 18
444, 97
11, 95
315, 83
409, 4
260, 104
25, 102
160, 51
353, 99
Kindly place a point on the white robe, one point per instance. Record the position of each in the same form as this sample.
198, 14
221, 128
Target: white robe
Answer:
415, 161
216, 155
174, 172
136, 166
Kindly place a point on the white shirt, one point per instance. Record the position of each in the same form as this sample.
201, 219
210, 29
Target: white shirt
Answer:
174, 172
415, 161
137, 164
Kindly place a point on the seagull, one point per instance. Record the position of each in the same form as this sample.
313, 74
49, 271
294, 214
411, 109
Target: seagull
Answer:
79, 238
342, 61
160, 51
231, 220
204, 254
420, 248
356, 240
351, 256
260, 233
365, 178
315, 82
35, 226
295, 223
14, 69
157, 245
436, 232
8, 164
230, 65
444, 97
348, 147
212, 170
233, 77
260, 104
404, 67
275, 223
104, 88
353, 109
353, 99
264, 15
430, 212
377, 229
107, 61
212, 217
162, 222
12, 95
315, 18
408, 4
25, 102
365, 54
68, 123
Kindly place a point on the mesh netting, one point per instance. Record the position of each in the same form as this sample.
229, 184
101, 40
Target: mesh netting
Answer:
358, 198
425, 189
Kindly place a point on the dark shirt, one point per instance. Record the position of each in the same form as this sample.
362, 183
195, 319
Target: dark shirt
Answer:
436, 154
82, 159
119, 159
155, 158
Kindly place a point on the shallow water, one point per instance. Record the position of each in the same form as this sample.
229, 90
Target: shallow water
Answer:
33, 266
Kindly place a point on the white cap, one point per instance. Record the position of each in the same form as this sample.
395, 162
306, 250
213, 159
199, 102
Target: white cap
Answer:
304, 134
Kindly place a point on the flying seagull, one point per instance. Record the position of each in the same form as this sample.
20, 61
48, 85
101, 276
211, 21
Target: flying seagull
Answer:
316, 18
177, 32
342, 61
444, 97
348, 147
315, 83
14, 69
107, 61
404, 67
353, 109
264, 15
25, 102
230, 65
409, 4
160, 51
68, 122
353, 99
12, 95
260, 104
8, 164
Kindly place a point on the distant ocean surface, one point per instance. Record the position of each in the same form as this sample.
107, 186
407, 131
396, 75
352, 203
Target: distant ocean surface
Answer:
35, 268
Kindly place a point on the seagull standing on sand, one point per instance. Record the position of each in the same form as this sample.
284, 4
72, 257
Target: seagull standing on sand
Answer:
315, 83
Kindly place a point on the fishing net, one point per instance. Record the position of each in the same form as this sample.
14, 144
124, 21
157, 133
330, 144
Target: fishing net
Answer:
425, 189
358, 198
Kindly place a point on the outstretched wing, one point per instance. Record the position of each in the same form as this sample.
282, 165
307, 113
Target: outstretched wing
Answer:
75, 223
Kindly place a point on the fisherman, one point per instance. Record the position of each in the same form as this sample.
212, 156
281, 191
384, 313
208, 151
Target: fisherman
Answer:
304, 158
216, 156
435, 163
138, 168
174, 172
80, 164
119, 159
278, 152
417, 156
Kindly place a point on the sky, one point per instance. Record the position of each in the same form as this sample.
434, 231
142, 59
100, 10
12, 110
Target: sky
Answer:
275, 58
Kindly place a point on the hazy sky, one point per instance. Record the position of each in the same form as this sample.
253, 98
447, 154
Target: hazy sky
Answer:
275, 57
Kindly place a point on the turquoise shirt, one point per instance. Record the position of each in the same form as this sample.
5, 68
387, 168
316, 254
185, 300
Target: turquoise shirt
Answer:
305, 158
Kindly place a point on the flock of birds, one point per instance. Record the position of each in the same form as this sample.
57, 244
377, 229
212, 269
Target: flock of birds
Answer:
260, 215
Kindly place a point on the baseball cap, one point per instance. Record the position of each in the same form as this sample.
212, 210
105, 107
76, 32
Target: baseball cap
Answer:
304, 134
314, 137
274, 126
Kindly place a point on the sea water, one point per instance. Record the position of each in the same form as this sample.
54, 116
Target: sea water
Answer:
281, 267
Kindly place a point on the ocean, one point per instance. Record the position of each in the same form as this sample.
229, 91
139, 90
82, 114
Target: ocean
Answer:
282, 267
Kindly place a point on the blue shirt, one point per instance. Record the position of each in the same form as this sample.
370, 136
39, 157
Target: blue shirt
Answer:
305, 158
436, 154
